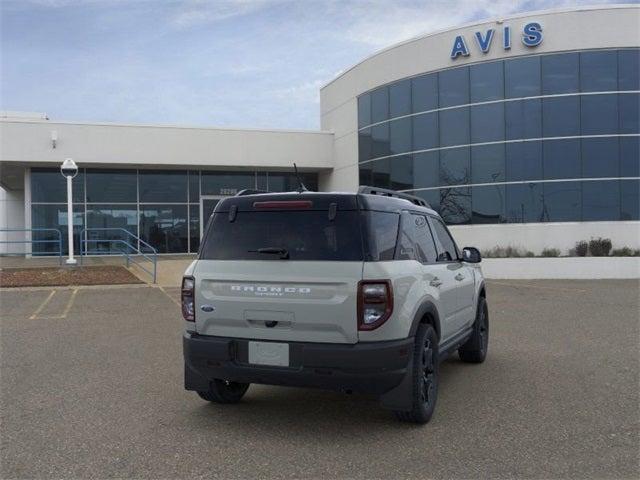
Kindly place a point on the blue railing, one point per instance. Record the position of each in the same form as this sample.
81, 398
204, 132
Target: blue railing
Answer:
57, 241
131, 243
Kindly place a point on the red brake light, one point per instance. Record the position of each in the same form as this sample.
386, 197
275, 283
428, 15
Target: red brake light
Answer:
375, 303
188, 299
284, 204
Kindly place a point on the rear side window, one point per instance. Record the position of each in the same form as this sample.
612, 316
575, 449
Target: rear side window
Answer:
382, 228
305, 235
416, 242
447, 250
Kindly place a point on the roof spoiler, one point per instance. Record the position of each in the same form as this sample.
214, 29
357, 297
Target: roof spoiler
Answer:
383, 192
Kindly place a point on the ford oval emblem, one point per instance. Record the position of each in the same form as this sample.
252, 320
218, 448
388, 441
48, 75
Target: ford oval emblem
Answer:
207, 308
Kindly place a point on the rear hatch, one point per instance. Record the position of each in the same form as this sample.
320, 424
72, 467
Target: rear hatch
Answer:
281, 267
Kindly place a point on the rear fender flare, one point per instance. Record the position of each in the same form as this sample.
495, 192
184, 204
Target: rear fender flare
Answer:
427, 308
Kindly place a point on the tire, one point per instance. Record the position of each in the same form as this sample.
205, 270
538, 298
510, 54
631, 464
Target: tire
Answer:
425, 377
222, 391
475, 349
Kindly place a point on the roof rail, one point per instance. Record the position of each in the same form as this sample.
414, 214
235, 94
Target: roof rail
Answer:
392, 193
249, 191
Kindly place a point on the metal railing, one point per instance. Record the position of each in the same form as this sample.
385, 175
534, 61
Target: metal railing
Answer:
130, 251
31, 241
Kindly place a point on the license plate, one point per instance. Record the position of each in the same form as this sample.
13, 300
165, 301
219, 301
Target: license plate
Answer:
269, 353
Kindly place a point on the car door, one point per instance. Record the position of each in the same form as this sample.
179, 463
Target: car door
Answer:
458, 276
417, 243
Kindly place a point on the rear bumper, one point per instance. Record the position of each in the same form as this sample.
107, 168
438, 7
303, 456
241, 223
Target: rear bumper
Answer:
375, 367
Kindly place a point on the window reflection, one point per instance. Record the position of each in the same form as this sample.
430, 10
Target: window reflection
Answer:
400, 135
524, 203
400, 99
194, 227
488, 204
105, 186
601, 200
560, 73
523, 119
163, 186
487, 81
48, 185
455, 166
562, 202
453, 87
455, 205
401, 174
488, 164
380, 104
165, 227
599, 114
54, 216
454, 127
598, 71
110, 220
561, 159
380, 140
561, 116
630, 200
425, 131
600, 157
424, 93
522, 77
487, 123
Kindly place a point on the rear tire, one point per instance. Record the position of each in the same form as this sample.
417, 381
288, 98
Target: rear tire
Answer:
475, 349
221, 391
425, 377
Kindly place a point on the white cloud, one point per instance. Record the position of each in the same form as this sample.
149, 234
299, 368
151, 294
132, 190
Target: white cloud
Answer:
196, 12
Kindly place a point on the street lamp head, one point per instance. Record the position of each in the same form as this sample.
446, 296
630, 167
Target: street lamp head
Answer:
69, 169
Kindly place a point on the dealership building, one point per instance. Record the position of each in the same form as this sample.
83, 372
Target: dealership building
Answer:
520, 131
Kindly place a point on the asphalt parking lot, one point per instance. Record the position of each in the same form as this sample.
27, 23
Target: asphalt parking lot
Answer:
92, 388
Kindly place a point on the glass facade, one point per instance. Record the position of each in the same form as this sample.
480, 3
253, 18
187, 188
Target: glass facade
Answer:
548, 138
162, 207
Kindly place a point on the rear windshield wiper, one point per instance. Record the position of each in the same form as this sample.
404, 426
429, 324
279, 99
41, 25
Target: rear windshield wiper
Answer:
283, 252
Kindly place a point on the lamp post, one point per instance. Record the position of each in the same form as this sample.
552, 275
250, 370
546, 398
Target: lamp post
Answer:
69, 170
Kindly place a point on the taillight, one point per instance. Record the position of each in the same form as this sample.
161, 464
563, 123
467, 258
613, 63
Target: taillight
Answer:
188, 299
375, 303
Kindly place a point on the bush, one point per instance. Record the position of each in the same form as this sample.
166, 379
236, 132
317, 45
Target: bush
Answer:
507, 252
550, 252
625, 252
581, 248
600, 247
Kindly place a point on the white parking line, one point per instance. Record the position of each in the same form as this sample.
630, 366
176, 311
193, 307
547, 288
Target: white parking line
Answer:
42, 305
167, 294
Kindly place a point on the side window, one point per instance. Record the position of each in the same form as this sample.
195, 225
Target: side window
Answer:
416, 242
447, 250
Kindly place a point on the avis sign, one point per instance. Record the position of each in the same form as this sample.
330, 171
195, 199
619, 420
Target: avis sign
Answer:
531, 37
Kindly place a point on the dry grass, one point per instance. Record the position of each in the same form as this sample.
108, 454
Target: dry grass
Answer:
59, 276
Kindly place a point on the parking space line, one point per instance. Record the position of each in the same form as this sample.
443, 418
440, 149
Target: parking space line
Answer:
167, 294
42, 305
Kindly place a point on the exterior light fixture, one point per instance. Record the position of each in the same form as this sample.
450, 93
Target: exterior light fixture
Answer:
69, 169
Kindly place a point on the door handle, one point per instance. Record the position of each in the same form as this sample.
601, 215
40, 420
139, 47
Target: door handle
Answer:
436, 282
459, 277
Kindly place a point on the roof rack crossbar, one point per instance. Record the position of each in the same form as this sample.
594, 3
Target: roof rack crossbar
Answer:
249, 191
392, 193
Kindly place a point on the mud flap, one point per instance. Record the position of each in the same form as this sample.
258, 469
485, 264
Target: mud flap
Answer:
401, 397
194, 381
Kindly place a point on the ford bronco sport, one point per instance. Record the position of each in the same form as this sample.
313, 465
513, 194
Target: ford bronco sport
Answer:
362, 292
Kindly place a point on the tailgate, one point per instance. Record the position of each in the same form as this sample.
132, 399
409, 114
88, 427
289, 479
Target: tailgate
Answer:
298, 301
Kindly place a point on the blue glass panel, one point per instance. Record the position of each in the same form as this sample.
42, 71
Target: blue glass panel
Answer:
599, 114
522, 77
425, 131
487, 123
599, 71
380, 140
426, 170
454, 127
379, 104
455, 166
52, 216
49, 186
560, 73
561, 159
487, 164
523, 161
487, 81
562, 202
365, 147
455, 205
400, 98
630, 200
629, 69
600, 200
402, 172
524, 203
453, 87
364, 110
488, 204
194, 186
111, 216
630, 156
400, 135
432, 197
629, 113
523, 119
424, 92
561, 116
112, 186
163, 186
600, 157
366, 173
165, 227
381, 171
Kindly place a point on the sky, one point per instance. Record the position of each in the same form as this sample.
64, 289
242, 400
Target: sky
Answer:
227, 63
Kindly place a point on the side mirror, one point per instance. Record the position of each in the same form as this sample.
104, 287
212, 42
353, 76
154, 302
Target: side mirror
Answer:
471, 255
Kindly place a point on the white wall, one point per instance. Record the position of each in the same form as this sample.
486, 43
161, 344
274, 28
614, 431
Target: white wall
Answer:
29, 141
538, 236
11, 216
580, 268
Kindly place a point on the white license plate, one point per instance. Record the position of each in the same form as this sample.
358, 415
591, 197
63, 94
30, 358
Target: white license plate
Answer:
269, 353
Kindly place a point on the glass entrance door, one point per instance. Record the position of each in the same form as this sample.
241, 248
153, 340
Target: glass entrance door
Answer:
207, 204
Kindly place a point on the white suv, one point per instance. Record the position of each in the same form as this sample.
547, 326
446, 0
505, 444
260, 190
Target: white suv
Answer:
363, 292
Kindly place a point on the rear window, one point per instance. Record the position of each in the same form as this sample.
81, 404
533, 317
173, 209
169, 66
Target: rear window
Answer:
304, 235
